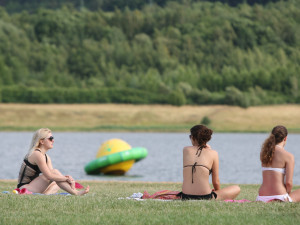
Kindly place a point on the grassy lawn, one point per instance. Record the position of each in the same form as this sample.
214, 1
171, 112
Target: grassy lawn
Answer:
102, 206
161, 118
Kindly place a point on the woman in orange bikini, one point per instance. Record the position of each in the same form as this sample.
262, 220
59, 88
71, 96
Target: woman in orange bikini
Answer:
199, 161
277, 169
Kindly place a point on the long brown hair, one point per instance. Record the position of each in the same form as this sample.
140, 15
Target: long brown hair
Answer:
267, 152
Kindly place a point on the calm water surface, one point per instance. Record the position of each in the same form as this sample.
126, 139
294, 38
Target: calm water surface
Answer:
238, 154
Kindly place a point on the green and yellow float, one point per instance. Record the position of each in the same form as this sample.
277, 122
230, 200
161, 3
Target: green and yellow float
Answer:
115, 156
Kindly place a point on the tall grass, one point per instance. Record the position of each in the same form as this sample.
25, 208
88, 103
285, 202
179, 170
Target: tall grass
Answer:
121, 117
103, 206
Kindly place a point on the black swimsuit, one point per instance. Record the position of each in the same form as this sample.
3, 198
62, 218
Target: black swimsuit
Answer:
198, 197
28, 172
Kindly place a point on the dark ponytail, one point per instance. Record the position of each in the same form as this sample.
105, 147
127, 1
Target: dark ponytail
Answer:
268, 148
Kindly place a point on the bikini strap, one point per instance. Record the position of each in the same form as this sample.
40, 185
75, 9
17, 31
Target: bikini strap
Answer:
41, 152
193, 171
214, 194
199, 150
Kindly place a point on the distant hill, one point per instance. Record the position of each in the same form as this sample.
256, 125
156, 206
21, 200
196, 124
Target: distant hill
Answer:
179, 53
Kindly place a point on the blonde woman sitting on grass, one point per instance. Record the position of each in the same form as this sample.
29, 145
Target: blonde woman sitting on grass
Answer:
37, 161
199, 161
277, 169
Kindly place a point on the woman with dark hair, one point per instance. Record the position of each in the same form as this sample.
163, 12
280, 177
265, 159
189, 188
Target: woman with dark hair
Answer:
199, 161
277, 164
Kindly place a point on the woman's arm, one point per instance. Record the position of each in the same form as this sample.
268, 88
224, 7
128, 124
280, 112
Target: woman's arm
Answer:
289, 170
215, 172
40, 160
49, 162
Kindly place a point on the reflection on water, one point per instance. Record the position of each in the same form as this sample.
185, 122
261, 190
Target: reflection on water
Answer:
238, 154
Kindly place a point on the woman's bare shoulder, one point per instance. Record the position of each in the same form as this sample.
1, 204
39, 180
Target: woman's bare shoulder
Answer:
289, 155
212, 151
283, 154
34, 157
37, 156
282, 151
188, 148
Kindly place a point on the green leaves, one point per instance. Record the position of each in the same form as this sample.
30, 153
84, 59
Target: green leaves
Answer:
188, 52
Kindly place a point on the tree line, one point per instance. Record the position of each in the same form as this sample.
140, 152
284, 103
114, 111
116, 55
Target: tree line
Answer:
185, 52
107, 5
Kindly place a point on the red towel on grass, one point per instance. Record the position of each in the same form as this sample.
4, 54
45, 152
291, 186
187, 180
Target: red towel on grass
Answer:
78, 186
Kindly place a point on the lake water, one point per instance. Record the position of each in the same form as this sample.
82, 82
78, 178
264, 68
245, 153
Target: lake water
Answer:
238, 155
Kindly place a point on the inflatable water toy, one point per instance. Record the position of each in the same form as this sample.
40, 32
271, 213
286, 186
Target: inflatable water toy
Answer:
115, 156
102, 164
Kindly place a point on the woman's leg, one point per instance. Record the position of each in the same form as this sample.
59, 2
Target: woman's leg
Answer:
38, 185
52, 189
69, 187
295, 195
59, 173
42, 185
228, 192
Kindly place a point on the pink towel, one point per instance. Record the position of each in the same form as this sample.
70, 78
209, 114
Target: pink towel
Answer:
78, 186
23, 191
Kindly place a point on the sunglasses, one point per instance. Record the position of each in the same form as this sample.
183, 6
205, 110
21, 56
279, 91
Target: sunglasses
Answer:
51, 138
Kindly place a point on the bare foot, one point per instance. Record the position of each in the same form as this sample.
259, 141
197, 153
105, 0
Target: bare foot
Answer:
85, 191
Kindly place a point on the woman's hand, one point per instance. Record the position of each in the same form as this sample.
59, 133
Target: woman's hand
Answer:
69, 177
71, 181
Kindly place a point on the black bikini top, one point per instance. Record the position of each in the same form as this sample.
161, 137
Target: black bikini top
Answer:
35, 167
198, 153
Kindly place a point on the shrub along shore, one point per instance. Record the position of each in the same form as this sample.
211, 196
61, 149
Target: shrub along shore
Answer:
103, 206
144, 118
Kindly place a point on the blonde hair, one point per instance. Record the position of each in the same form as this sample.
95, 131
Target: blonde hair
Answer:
35, 142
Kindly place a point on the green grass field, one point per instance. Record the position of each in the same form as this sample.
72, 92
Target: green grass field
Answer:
157, 118
102, 206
